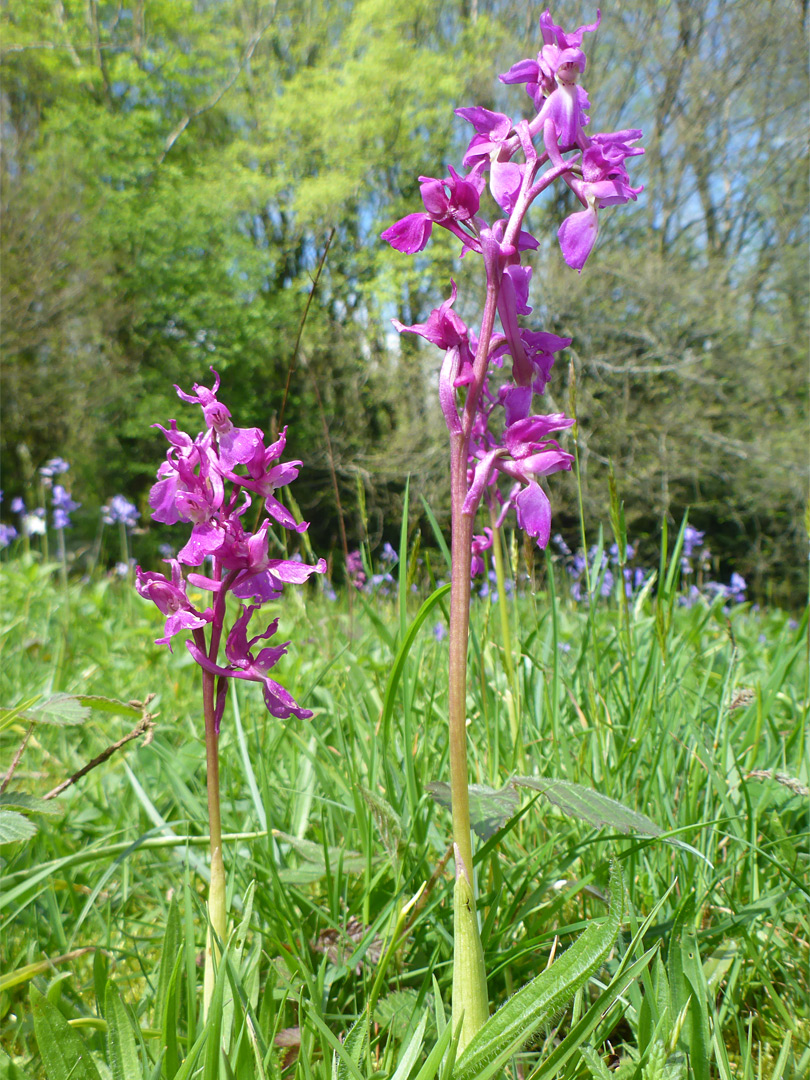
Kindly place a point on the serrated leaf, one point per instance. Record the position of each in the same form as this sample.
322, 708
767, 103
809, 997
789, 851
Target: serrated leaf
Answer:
599, 810
64, 1055
489, 809
61, 710
121, 1048
589, 805
110, 705
584, 1028
14, 827
516, 1021
395, 1011
354, 1048
32, 804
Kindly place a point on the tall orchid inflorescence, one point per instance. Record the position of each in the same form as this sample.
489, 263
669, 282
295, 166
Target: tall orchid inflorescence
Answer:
494, 432
210, 483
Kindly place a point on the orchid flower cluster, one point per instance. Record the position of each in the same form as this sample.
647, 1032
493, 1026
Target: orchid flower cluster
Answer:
594, 168
210, 482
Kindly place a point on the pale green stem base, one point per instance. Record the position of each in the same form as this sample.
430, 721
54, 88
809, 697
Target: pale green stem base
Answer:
470, 1005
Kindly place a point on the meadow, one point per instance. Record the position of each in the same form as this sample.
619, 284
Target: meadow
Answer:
339, 880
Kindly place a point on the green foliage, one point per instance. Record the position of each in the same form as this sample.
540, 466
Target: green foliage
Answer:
328, 838
516, 1021
171, 173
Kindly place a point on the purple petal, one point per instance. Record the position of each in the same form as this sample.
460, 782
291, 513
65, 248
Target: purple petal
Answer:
534, 512
281, 703
410, 234
577, 235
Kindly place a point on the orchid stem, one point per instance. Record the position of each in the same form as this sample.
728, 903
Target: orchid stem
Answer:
470, 1003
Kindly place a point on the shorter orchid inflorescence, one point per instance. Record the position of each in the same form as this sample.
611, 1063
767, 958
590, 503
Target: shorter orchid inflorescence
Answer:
210, 482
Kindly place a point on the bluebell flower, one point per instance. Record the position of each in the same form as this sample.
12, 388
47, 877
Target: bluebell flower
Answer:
606, 587
692, 539
120, 509
63, 507
388, 555
736, 589
7, 534
53, 467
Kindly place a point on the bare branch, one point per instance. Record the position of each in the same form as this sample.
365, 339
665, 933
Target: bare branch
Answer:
145, 726
220, 94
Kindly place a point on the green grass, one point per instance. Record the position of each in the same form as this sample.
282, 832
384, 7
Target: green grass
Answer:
334, 824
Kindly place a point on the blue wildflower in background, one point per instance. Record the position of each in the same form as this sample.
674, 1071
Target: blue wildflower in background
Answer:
119, 510
63, 506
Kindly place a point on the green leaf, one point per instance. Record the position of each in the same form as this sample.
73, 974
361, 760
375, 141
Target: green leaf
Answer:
32, 804
411, 1052
8, 714
121, 1049
168, 959
446, 1045
346, 1061
597, 809
110, 705
15, 827
516, 1021
386, 819
62, 710
589, 805
395, 1010
489, 809
213, 1024
353, 862
583, 1029
64, 1055
343, 1063
168, 1017
781, 1061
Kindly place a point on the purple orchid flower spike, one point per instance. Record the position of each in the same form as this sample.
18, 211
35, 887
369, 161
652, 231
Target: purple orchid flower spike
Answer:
495, 438
209, 482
